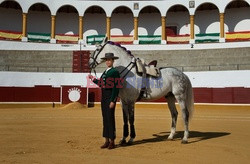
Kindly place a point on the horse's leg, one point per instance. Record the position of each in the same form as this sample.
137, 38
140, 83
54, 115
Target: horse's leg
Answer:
171, 105
131, 110
125, 122
185, 116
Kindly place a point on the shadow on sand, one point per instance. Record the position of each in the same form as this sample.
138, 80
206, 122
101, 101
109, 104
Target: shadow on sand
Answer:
199, 136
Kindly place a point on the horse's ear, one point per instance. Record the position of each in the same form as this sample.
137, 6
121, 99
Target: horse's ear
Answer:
97, 44
105, 40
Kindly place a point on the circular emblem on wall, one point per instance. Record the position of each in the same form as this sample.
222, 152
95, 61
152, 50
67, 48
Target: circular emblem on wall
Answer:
74, 94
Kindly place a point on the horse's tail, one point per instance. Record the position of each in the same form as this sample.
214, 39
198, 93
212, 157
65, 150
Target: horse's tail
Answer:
190, 99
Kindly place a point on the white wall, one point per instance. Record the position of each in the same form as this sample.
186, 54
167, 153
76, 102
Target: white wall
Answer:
30, 79
215, 79
16, 45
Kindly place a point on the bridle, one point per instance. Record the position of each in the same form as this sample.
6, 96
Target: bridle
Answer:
95, 63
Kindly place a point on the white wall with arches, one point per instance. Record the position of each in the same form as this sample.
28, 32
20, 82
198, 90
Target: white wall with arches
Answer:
206, 21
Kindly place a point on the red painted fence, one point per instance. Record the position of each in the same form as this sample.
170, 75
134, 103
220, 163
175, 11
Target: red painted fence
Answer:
67, 94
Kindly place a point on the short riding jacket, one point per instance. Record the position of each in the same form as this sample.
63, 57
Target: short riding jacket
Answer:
110, 80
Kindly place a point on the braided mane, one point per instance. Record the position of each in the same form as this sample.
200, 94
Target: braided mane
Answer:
119, 45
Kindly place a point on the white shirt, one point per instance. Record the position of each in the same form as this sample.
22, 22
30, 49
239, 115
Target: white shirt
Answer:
108, 69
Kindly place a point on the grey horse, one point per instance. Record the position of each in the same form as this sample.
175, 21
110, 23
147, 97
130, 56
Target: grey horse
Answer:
171, 84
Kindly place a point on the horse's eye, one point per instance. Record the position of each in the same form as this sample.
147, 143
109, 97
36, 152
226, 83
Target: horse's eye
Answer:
97, 49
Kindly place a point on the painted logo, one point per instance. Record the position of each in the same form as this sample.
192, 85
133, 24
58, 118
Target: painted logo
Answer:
74, 94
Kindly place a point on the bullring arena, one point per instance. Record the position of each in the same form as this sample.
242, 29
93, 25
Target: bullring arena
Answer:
50, 111
73, 135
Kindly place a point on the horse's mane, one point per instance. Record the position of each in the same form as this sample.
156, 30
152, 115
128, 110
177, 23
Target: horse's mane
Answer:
120, 46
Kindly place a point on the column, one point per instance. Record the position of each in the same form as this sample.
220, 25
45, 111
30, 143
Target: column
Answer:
80, 29
24, 28
53, 29
222, 30
108, 20
192, 29
136, 41
163, 30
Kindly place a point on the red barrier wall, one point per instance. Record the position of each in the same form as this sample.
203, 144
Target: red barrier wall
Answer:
239, 95
29, 94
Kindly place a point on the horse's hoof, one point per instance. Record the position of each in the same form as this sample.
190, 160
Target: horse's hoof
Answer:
170, 138
122, 142
184, 141
130, 142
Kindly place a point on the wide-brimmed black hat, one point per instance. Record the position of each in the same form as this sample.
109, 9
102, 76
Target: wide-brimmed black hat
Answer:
110, 55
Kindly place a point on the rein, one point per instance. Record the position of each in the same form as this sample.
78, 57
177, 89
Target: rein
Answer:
128, 70
95, 63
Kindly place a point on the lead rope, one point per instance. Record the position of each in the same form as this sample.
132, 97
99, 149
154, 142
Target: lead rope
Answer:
95, 73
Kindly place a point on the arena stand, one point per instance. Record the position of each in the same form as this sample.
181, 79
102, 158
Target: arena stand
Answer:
126, 39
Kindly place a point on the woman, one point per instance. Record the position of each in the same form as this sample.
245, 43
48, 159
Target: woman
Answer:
109, 84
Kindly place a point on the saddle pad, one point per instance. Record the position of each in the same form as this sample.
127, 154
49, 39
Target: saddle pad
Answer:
150, 69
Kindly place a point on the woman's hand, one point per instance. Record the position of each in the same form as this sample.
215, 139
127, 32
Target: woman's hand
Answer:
91, 77
111, 105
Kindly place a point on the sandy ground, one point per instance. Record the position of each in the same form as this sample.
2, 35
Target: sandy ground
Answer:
219, 134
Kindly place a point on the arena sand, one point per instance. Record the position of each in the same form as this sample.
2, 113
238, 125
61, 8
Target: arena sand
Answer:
219, 134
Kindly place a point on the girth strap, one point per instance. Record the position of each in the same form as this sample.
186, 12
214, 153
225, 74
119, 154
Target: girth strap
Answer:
143, 90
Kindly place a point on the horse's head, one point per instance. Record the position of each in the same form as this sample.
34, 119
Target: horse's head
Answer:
95, 57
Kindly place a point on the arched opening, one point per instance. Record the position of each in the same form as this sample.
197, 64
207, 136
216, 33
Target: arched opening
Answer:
177, 25
149, 26
122, 25
67, 20
94, 25
11, 20
237, 20
207, 23
67, 25
38, 23
237, 16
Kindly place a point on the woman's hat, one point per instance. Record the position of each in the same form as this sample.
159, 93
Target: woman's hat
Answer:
110, 55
